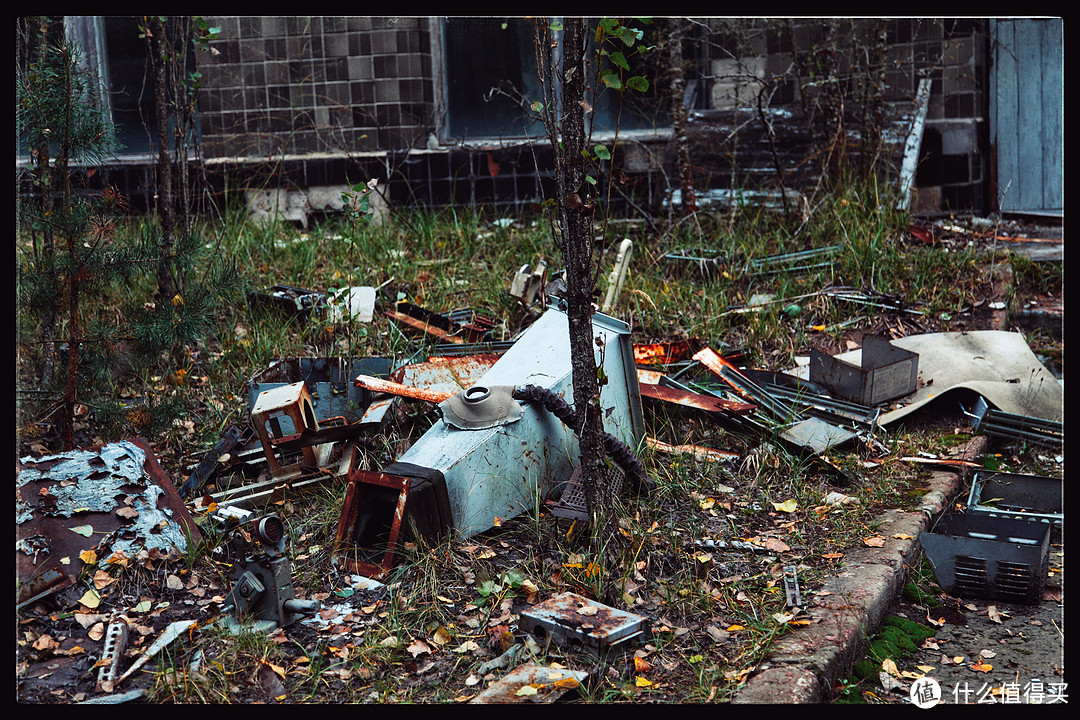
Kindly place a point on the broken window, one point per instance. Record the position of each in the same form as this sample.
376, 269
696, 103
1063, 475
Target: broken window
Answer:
490, 79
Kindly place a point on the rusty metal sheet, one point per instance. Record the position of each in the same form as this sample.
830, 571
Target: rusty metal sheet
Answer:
694, 400
56, 493
445, 374
572, 619
546, 685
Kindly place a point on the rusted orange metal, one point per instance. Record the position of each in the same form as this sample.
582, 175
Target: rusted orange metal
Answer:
694, 400
663, 352
445, 374
386, 386
345, 540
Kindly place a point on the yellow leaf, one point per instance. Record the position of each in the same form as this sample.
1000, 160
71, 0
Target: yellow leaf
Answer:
642, 682
902, 536
733, 628
982, 667
177, 300
90, 599
88, 556
706, 503
787, 506
566, 682
526, 690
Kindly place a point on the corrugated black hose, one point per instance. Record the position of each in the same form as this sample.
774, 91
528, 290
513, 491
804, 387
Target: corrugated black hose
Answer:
621, 453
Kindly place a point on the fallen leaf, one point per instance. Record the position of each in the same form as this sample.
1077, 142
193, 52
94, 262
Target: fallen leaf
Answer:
84, 530
902, 536
90, 599
129, 513
587, 610
467, 646
46, 642
890, 667
993, 614
102, 579
96, 632
419, 647
526, 690
876, 541
776, 545
789, 505
958, 660
642, 682
440, 636
833, 556
88, 556
987, 654
925, 668
982, 667
641, 665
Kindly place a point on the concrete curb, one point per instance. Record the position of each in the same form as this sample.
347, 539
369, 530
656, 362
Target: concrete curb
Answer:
804, 665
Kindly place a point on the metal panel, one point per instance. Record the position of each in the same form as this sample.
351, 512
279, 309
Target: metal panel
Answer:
1027, 114
496, 473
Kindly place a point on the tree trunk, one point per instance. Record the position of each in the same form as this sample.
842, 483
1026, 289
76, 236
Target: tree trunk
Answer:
576, 206
677, 86
158, 49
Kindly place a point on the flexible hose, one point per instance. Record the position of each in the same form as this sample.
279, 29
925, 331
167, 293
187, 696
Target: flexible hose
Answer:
621, 453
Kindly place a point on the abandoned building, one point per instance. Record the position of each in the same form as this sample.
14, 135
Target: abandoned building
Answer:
292, 109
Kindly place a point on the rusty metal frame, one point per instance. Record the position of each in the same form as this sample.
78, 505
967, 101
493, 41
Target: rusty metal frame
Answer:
350, 515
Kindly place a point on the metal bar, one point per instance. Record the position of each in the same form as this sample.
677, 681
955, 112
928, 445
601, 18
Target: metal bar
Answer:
379, 385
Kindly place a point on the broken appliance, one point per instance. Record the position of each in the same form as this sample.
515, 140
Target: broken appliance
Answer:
498, 448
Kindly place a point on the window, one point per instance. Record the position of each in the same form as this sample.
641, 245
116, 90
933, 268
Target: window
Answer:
490, 77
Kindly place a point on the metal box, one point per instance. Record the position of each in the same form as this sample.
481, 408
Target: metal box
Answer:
886, 372
990, 558
1024, 497
571, 619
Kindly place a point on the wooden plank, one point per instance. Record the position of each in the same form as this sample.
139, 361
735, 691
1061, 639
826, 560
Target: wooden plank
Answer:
1053, 120
1029, 137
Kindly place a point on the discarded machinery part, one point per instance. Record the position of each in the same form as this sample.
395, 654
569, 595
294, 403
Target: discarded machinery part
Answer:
114, 644
780, 410
698, 451
991, 558
549, 683
380, 506
1022, 497
328, 381
293, 481
827, 406
354, 303
332, 430
495, 474
263, 590
288, 402
527, 285
692, 399
460, 326
300, 302
994, 422
886, 372
481, 407
491, 347
393, 388
621, 453
85, 488
791, 586
618, 275
570, 500
790, 262
209, 463
571, 619
171, 633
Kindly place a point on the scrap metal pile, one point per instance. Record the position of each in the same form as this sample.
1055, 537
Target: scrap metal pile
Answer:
502, 435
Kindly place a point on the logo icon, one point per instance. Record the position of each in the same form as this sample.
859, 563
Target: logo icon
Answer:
925, 692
